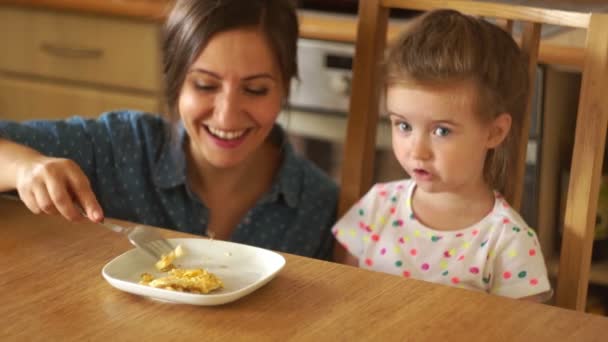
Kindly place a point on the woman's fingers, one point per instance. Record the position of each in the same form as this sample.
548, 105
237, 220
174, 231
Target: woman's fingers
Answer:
62, 199
55, 185
28, 198
43, 200
84, 195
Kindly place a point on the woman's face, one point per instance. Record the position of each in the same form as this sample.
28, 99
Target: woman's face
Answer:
231, 97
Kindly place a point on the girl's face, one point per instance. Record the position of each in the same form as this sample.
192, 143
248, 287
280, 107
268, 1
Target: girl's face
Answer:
231, 97
437, 137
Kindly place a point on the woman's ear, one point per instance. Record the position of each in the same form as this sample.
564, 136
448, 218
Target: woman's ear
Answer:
499, 129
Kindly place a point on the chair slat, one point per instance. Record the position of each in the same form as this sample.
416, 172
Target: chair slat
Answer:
358, 159
586, 170
515, 181
505, 24
498, 10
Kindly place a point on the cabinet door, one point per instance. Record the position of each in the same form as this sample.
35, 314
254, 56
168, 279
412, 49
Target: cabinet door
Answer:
113, 51
22, 100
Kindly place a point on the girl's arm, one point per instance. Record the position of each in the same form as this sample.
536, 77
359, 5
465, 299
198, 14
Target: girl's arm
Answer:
342, 256
539, 298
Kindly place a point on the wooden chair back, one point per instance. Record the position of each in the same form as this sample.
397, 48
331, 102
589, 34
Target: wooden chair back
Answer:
590, 134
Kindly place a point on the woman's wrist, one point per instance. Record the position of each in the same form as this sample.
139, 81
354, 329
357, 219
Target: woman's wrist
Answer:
18, 159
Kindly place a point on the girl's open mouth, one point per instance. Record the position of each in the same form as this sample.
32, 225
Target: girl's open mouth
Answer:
421, 174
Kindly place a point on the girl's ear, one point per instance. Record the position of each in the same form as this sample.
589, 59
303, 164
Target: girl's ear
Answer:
499, 129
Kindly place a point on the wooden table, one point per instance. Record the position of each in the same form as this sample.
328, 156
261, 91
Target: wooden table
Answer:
52, 289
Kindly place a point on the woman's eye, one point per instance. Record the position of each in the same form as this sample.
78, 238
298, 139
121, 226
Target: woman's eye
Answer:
442, 131
256, 91
204, 86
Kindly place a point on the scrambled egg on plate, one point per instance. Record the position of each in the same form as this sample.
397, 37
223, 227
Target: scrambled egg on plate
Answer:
194, 280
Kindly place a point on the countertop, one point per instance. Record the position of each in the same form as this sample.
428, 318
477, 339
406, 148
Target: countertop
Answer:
562, 49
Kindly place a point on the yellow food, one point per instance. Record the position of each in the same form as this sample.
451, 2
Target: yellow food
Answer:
185, 280
166, 261
194, 280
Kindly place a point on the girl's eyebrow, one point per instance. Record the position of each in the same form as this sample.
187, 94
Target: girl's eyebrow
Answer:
440, 121
217, 76
447, 122
389, 113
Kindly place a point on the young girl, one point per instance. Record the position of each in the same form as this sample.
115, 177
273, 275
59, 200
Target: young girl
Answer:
455, 88
229, 170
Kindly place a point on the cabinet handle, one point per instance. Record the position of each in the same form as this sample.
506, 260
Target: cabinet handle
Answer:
71, 52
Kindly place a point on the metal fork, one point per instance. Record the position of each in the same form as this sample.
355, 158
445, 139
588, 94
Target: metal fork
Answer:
147, 239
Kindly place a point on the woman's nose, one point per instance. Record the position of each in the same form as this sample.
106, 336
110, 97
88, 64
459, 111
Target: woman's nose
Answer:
227, 106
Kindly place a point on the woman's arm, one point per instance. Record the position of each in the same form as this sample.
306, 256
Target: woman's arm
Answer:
45, 184
11, 156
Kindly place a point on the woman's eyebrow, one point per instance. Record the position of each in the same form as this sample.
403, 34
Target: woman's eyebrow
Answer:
247, 78
204, 71
262, 75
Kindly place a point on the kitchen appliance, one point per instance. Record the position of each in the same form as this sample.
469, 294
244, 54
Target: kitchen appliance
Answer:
325, 74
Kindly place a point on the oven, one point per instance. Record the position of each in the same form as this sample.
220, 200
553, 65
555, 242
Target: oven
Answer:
325, 74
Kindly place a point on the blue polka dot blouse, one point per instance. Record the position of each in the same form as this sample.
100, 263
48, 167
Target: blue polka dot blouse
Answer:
137, 169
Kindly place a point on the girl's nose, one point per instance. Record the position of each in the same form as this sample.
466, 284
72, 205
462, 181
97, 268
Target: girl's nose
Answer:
420, 148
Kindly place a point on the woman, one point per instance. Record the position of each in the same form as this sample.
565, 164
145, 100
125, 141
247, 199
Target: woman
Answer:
221, 166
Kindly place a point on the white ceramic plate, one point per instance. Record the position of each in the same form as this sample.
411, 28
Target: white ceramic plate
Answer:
242, 269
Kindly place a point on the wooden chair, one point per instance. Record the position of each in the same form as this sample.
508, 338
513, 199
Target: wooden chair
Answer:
590, 134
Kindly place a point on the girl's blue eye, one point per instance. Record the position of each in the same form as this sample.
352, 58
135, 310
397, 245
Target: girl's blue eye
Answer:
403, 126
442, 131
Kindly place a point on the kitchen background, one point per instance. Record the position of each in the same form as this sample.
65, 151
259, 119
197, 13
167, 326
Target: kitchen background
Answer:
51, 68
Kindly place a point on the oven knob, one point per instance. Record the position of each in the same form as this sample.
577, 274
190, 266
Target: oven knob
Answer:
340, 84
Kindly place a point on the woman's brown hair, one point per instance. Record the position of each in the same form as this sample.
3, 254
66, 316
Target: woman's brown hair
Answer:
445, 46
192, 23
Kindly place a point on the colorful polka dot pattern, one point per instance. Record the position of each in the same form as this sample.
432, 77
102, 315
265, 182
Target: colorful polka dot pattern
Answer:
388, 238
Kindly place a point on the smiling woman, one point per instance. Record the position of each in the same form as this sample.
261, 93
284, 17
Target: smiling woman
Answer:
229, 104
220, 166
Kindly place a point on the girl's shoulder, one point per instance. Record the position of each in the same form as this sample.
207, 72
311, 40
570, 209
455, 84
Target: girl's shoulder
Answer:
511, 225
505, 213
386, 194
393, 188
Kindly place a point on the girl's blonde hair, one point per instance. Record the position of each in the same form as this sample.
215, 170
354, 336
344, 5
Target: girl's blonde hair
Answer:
444, 47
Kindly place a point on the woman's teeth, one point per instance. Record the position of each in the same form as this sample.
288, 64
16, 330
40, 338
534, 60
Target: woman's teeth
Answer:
226, 135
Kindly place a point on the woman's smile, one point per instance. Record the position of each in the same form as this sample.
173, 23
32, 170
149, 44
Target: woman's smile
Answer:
226, 138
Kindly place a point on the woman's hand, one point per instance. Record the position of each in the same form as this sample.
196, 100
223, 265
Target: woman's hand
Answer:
56, 186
